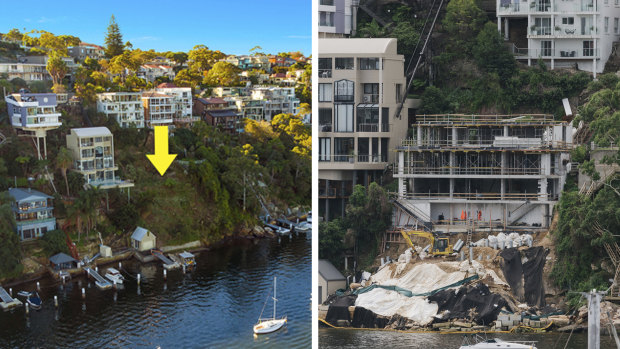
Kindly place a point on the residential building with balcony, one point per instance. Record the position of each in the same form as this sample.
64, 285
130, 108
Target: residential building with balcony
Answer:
85, 50
277, 100
182, 99
150, 72
34, 114
479, 172
25, 71
337, 18
92, 149
361, 82
159, 109
219, 113
33, 212
563, 34
125, 107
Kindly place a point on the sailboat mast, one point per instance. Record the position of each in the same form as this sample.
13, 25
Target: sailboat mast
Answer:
274, 297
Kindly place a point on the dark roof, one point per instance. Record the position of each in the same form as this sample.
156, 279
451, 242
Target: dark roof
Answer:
62, 258
222, 113
328, 272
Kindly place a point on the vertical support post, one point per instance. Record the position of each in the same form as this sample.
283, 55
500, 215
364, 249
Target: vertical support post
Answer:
327, 200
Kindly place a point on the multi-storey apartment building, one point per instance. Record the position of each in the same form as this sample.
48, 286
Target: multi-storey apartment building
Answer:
85, 50
33, 212
337, 18
150, 72
159, 109
461, 172
125, 107
361, 82
182, 99
25, 71
277, 100
93, 154
34, 114
562, 33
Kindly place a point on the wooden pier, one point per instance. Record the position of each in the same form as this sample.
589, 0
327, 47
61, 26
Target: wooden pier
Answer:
8, 302
168, 263
100, 281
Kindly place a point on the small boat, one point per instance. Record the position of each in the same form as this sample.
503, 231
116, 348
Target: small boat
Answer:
115, 276
478, 342
303, 227
309, 218
273, 324
187, 259
33, 299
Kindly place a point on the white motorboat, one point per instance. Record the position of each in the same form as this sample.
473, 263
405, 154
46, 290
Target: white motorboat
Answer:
32, 298
303, 227
114, 276
273, 324
478, 342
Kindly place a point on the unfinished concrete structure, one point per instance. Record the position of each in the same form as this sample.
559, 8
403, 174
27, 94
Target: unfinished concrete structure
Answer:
464, 172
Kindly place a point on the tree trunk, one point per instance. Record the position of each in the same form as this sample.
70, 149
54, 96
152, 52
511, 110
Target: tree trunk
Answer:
64, 174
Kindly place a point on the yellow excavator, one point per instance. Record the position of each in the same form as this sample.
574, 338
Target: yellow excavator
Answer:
440, 246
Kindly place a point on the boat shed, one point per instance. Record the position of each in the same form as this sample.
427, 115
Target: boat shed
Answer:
63, 261
143, 240
330, 280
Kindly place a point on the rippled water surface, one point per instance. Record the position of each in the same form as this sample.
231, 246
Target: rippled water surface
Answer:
338, 338
214, 306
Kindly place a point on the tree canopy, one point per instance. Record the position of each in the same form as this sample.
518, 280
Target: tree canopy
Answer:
113, 40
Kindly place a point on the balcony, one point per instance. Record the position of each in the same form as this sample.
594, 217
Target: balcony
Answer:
344, 98
325, 127
363, 159
21, 223
43, 121
374, 127
325, 73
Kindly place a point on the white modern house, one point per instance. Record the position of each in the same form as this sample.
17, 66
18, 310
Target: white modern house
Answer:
574, 33
34, 114
125, 107
181, 98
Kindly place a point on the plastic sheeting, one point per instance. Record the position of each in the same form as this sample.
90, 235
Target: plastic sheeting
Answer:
457, 305
524, 273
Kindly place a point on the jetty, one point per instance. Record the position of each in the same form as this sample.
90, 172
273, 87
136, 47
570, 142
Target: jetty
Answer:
168, 263
100, 281
8, 302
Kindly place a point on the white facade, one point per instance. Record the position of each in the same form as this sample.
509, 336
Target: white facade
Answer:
150, 72
563, 33
182, 98
277, 100
125, 107
26, 71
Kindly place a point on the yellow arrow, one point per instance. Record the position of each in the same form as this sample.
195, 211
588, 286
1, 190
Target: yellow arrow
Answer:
161, 160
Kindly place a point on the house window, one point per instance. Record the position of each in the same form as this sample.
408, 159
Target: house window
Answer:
325, 67
367, 118
371, 93
344, 91
343, 149
327, 2
616, 25
325, 92
568, 20
326, 19
369, 63
325, 119
543, 26
606, 22
588, 48
545, 48
344, 118
325, 149
399, 97
344, 63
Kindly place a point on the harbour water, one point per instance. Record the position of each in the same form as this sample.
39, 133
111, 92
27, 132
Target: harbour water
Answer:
344, 338
215, 305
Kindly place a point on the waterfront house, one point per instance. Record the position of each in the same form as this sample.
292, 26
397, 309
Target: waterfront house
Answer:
143, 240
330, 280
63, 261
33, 213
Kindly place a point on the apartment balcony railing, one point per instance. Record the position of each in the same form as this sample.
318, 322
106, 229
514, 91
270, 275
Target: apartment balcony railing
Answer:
325, 73
372, 127
377, 158
584, 53
334, 192
488, 120
34, 221
484, 171
370, 98
481, 196
327, 2
42, 121
515, 7
344, 98
325, 127
489, 144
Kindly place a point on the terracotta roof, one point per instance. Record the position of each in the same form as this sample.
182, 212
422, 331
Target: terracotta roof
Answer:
91, 45
166, 85
212, 100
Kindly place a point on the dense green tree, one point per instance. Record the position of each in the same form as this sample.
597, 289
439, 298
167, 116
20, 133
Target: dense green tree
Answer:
462, 23
187, 78
331, 240
64, 160
54, 242
113, 40
57, 69
202, 58
10, 250
222, 74
492, 55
